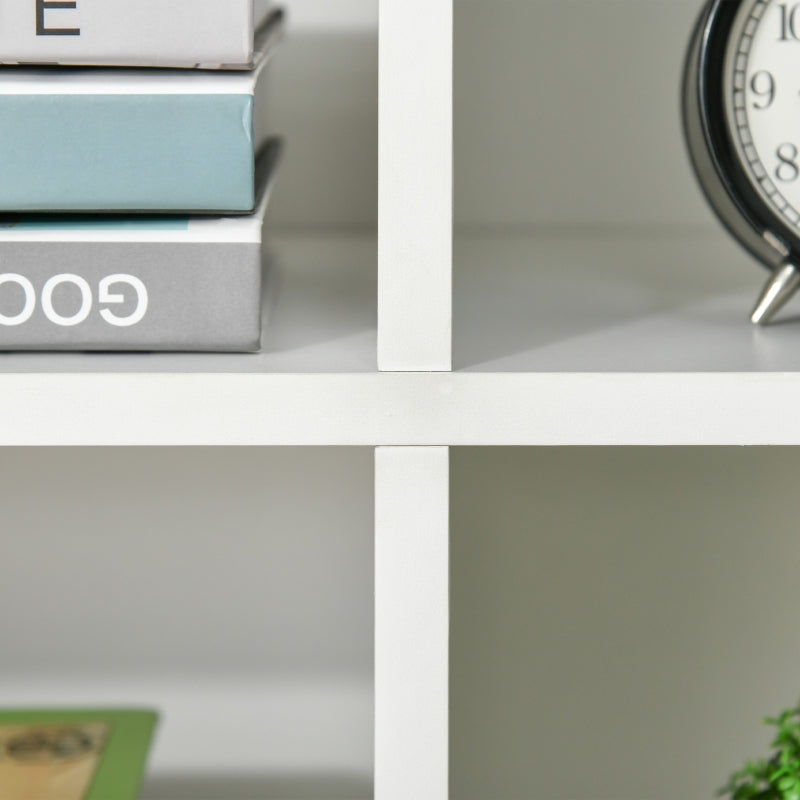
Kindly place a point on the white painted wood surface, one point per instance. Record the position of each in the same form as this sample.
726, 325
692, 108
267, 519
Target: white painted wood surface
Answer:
426, 409
415, 185
412, 609
620, 339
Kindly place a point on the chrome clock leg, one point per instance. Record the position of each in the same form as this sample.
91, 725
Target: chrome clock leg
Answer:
784, 282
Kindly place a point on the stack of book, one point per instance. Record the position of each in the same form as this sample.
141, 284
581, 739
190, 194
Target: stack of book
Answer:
135, 171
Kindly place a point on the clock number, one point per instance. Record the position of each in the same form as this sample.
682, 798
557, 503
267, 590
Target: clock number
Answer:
790, 23
763, 86
788, 170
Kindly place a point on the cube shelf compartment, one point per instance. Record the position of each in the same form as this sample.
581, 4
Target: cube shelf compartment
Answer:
586, 298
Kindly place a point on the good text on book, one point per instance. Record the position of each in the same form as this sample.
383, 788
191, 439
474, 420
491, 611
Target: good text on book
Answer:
104, 297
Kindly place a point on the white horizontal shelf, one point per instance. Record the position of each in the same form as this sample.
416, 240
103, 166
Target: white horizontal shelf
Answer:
550, 409
627, 338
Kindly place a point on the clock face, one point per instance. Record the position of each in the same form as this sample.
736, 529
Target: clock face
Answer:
762, 102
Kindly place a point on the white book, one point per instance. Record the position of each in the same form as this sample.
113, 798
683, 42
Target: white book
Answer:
203, 34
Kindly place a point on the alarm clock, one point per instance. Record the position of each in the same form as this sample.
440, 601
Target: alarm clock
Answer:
741, 110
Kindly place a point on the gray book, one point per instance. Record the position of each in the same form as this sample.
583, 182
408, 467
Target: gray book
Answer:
134, 283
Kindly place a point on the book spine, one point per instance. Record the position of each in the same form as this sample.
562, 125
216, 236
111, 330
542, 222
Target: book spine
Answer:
164, 33
130, 296
127, 152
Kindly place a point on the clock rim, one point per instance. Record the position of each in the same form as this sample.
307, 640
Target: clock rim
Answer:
750, 219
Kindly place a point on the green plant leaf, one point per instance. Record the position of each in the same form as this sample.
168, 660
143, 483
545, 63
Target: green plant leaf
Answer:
778, 777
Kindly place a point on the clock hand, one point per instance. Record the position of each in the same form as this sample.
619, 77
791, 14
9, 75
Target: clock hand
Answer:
784, 282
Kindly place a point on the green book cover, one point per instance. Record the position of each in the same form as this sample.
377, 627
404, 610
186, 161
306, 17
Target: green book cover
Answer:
74, 755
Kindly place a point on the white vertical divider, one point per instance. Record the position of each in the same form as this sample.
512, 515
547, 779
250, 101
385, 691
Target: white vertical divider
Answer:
415, 207
412, 580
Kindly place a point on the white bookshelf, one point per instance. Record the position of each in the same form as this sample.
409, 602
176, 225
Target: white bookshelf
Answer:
628, 333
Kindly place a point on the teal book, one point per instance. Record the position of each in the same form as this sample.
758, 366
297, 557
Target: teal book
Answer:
133, 140
74, 755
